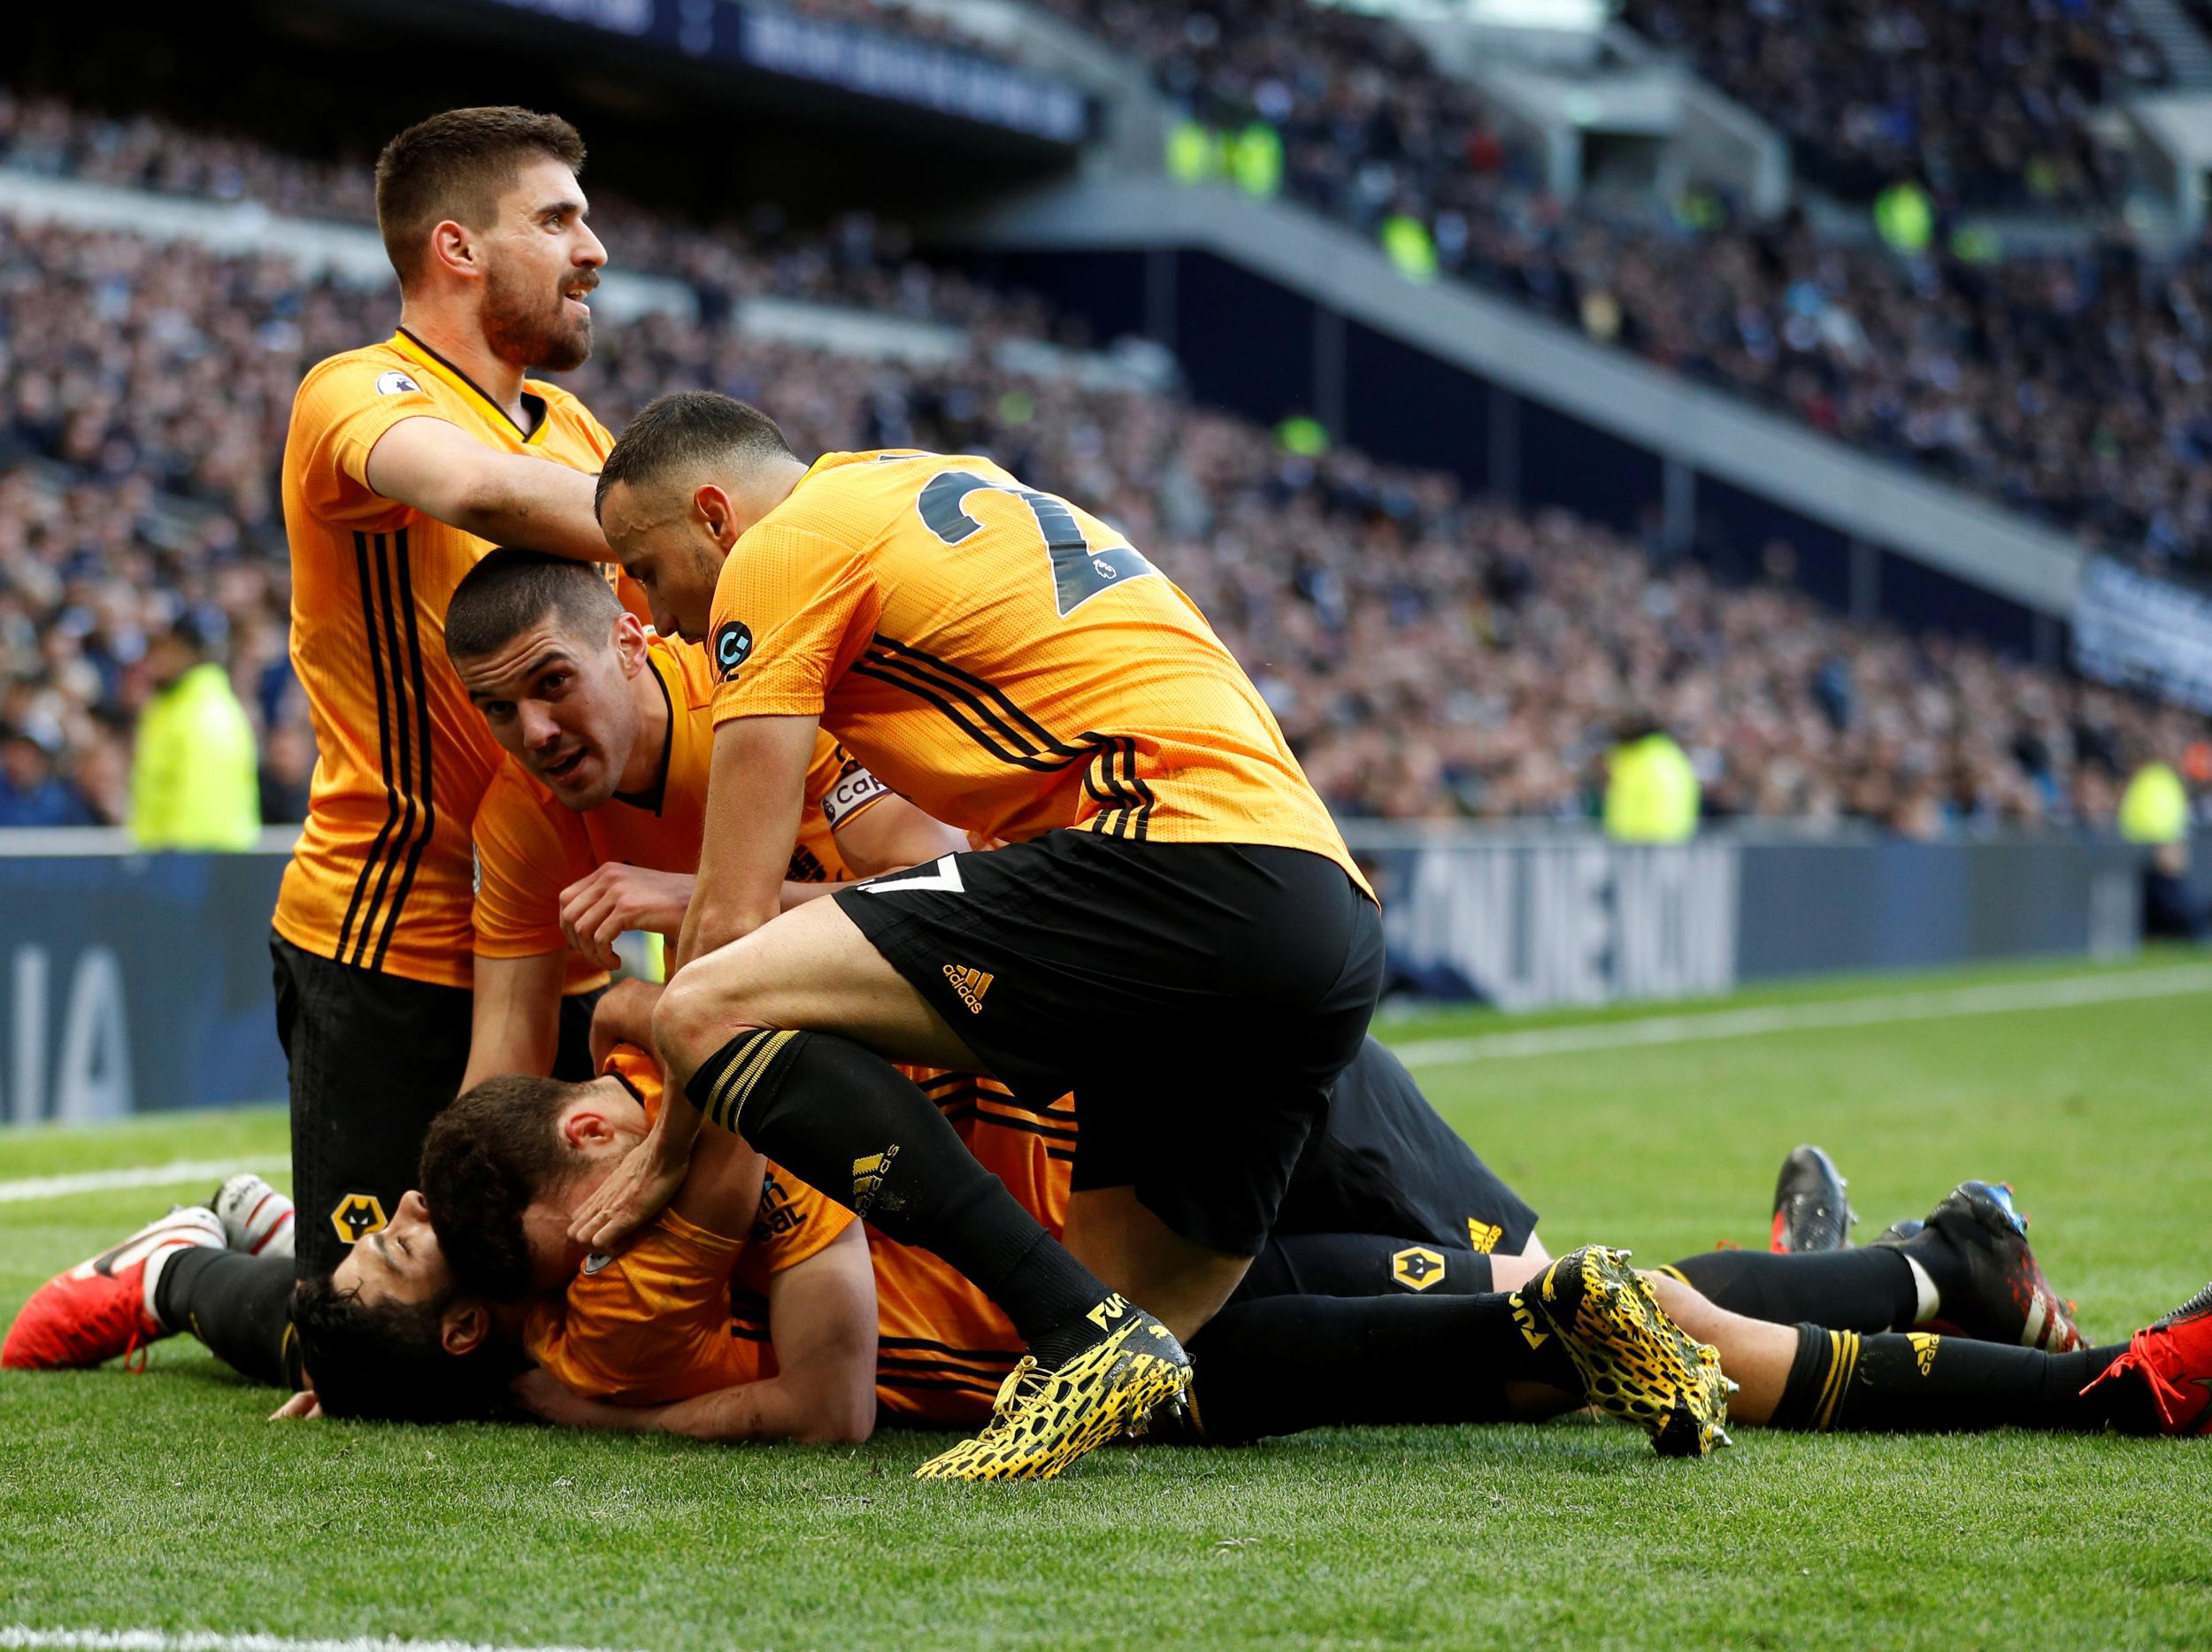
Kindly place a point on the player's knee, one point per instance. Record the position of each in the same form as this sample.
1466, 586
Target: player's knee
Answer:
695, 1016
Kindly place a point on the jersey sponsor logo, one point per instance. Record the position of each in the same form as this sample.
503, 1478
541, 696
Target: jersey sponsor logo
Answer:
868, 1174
355, 1215
778, 1215
945, 874
397, 383
733, 647
1483, 1236
971, 985
805, 867
855, 787
1417, 1267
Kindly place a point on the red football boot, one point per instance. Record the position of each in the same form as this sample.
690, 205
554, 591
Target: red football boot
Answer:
2173, 1356
102, 1308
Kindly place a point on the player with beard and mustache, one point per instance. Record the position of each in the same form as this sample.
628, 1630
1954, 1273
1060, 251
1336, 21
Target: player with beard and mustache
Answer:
406, 461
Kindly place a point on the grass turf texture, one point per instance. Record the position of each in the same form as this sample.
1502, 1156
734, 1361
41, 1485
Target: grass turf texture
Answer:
165, 1500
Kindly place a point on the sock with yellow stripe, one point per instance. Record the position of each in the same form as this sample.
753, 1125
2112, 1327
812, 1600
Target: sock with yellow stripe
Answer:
854, 1127
1916, 1383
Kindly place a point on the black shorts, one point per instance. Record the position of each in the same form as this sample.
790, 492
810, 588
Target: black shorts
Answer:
1198, 999
1389, 1163
373, 1059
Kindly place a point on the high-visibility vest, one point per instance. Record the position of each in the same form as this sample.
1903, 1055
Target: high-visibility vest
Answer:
1407, 244
1651, 792
2155, 809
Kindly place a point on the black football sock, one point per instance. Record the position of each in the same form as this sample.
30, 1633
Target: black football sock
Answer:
848, 1123
239, 1306
1362, 1265
1918, 1383
1869, 1289
1280, 1364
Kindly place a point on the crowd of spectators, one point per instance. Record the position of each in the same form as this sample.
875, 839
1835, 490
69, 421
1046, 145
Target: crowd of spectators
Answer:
932, 28
1988, 100
1428, 653
2072, 387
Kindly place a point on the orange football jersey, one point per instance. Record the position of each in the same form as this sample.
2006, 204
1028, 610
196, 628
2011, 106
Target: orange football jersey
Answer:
684, 1312
530, 846
381, 874
1002, 660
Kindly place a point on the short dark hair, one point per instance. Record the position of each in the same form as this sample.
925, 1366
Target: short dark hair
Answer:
688, 427
510, 591
485, 1158
457, 165
385, 1361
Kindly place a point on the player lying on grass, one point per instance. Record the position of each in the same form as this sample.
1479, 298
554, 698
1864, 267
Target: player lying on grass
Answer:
662, 1333
389, 1323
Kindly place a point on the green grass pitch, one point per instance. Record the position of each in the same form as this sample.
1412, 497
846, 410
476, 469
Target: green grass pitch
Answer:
165, 1502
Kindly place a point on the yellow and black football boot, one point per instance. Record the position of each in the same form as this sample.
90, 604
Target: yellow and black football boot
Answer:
1635, 1363
1048, 1419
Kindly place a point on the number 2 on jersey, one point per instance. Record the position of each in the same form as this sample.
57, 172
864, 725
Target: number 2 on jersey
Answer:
1080, 571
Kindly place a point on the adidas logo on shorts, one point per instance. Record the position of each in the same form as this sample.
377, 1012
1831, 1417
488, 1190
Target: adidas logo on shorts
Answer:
971, 985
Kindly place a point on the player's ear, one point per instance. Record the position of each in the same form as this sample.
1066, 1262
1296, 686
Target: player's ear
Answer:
584, 1127
464, 1327
453, 246
711, 506
629, 642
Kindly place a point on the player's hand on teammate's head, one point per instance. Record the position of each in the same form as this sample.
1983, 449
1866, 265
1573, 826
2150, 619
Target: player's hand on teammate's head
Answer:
637, 1190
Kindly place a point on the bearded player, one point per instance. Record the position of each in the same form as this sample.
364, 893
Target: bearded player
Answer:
406, 461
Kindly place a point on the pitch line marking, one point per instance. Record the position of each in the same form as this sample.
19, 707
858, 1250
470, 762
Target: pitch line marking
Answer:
177, 1170
1997, 998
14, 1636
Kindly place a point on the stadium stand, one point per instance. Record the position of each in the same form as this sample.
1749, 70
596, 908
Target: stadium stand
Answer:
2025, 380
1429, 653
1991, 102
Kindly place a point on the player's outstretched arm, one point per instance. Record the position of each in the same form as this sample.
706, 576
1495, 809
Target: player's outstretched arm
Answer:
515, 1021
822, 1320
509, 498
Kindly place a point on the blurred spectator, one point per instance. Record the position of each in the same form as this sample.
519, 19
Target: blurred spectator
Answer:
287, 769
2155, 812
31, 794
192, 778
1651, 790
